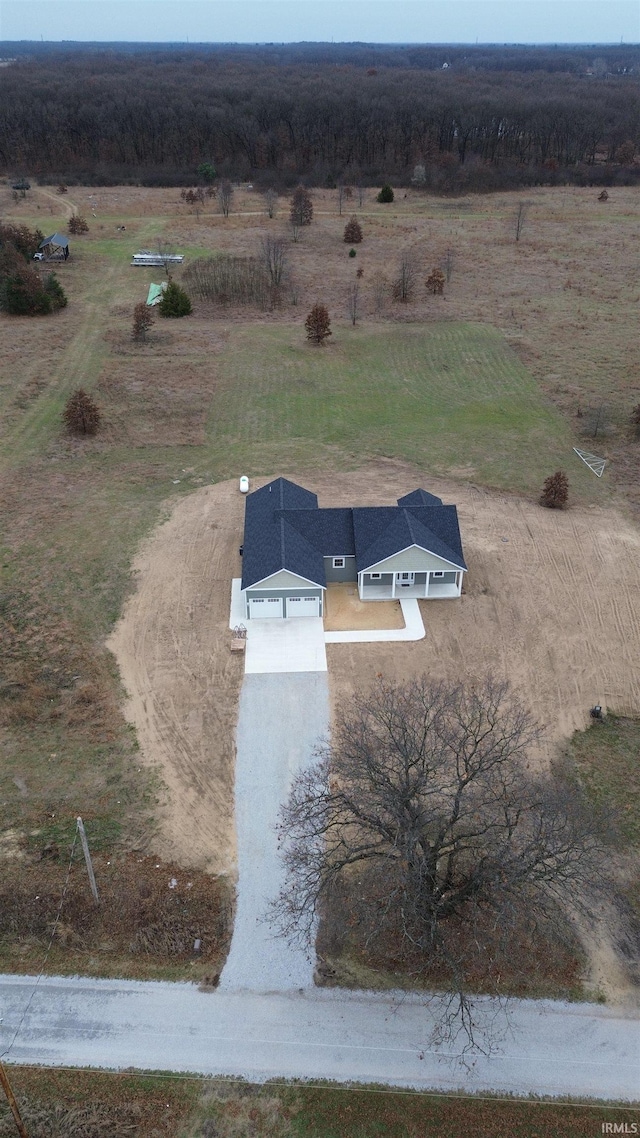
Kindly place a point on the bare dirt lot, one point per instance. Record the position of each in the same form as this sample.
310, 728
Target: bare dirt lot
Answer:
345, 610
549, 603
173, 650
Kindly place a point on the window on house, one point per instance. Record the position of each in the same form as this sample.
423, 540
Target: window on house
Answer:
375, 576
338, 563
438, 573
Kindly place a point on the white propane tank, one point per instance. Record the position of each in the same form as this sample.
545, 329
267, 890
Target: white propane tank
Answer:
244, 484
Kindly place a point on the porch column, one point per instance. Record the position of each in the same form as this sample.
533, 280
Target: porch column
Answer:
427, 582
360, 575
393, 584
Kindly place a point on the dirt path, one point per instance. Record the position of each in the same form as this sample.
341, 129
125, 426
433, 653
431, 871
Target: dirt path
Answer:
61, 200
550, 603
182, 681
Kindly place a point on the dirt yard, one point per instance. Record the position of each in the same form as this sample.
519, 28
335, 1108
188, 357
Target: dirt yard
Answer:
345, 611
550, 604
182, 681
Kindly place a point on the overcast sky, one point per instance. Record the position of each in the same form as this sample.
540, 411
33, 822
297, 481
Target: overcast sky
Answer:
373, 21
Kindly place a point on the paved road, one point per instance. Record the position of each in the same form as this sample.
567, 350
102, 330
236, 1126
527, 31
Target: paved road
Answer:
282, 717
553, 1049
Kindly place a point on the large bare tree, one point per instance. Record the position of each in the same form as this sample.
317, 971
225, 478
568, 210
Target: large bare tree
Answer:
425, 816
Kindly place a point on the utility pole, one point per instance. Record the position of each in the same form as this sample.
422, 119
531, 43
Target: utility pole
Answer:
87, 858
11, 1099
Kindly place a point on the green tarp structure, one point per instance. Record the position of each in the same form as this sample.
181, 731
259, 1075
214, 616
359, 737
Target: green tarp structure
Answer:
155, 293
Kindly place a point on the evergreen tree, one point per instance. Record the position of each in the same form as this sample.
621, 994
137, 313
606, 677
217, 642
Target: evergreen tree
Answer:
318, 324
386, 193
81, 414
175, 301
555, 491
353, 231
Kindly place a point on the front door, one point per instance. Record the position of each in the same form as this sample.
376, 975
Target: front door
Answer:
405, 579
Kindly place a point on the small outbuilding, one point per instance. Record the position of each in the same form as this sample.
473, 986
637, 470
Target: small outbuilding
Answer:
55, 247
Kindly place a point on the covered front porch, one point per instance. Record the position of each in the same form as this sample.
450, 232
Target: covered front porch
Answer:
406, 585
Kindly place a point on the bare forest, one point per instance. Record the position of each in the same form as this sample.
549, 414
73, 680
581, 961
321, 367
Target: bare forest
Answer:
448, 119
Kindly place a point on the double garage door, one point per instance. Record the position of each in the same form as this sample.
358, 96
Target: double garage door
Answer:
265, 607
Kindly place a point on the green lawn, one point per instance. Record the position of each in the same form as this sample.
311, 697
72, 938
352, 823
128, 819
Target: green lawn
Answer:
450, 397
607, 757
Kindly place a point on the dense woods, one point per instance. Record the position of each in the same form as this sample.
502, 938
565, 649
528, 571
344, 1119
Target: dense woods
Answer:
473, 118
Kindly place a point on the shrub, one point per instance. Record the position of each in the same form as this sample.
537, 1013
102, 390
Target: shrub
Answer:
353, 232
81, 415
19, 237
175, 301
352, 253
435, 282
23, 293
78, 224
230, 280
635, 419
555, 491
386, 194
55, 292
142, 321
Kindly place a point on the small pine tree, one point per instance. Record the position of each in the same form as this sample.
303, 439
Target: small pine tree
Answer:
78, 224
318, 324
175, 301
555, 491
353, 232
55, 292
435, 282
81, 415
142, 321
386, 193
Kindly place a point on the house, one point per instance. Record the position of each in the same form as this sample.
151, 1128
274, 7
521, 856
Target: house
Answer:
54, 248
293, 549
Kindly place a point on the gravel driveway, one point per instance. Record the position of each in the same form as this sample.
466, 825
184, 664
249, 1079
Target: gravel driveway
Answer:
282, 717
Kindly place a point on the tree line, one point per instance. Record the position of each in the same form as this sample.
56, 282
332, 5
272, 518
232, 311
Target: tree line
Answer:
155, 117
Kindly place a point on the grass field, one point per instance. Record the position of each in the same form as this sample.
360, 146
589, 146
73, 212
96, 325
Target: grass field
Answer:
156, 1106
448, 397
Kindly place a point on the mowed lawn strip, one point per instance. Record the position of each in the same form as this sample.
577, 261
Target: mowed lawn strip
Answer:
451, 397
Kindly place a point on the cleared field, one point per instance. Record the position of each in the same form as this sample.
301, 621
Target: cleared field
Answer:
451, 397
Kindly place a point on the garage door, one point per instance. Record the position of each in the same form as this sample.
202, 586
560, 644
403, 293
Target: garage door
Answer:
303, 606
265, 607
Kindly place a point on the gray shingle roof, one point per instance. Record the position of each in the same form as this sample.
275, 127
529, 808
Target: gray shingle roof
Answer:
55, 239
384, 530
285, 529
